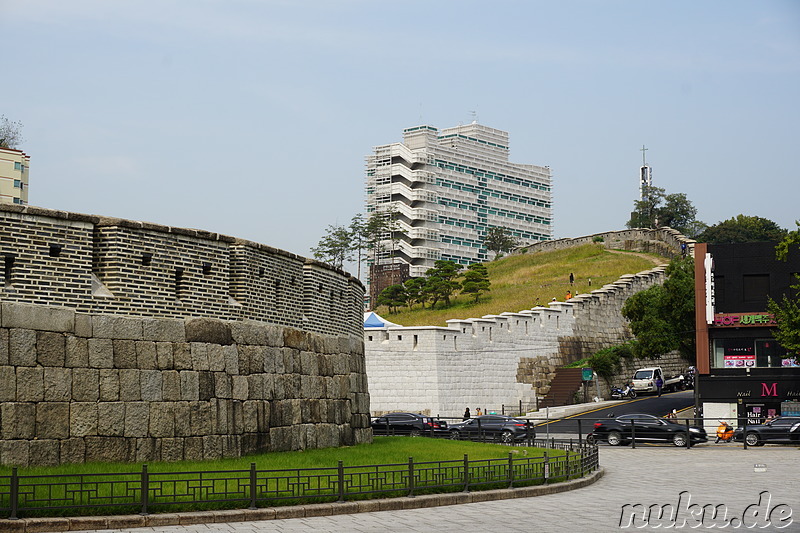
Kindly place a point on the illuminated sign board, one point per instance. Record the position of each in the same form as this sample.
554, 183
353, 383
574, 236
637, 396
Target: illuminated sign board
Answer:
738, 320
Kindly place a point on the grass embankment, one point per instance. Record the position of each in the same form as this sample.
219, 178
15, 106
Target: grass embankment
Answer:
523, 281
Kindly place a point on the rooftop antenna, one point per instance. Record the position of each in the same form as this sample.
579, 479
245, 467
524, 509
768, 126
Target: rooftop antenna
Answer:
645, 174
474, 116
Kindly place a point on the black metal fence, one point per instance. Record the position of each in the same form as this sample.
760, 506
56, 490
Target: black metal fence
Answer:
144, 491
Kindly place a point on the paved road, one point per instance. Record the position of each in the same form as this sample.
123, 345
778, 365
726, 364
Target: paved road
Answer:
721, 474
649, 404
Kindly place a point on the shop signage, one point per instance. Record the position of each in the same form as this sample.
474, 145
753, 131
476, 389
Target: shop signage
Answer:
751, 388
736, 320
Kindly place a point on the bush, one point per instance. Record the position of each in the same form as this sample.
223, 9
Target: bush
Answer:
598, 238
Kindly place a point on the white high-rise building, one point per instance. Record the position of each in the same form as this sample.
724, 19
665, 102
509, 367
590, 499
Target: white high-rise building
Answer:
448, 188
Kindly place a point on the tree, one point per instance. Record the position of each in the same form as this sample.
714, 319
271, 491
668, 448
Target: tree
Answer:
742, 228
476, 280
10, 133
662, 317
499, 239
787, 311
392, 297
335, 247
657, 208
441, 282
415, 291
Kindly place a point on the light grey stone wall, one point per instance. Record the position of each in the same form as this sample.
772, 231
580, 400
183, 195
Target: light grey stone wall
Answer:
78, 387
494, 360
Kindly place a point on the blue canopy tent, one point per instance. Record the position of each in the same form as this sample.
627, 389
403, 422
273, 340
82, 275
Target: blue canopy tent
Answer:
373, 320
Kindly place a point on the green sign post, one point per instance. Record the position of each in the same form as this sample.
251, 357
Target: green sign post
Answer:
586, 374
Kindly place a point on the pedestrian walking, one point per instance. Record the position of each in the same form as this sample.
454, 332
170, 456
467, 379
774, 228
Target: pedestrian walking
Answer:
571, 278
478, 412
659, 384
467, 416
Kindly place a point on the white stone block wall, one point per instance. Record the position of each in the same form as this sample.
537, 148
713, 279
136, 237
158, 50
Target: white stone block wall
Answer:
482, 361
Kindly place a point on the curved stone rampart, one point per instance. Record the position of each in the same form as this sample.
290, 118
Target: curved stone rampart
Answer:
663, 241
114, 266
129, 341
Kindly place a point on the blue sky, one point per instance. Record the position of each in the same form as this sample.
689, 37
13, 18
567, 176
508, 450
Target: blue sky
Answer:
252, 118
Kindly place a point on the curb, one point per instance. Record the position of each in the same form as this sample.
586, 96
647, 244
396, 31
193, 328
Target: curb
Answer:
52, 525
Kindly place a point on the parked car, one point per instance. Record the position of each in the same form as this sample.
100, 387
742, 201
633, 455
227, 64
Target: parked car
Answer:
618, 430
780, 429
408, 424
503, 428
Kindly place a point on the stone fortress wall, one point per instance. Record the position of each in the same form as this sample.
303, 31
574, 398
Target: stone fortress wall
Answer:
503, 359
123, 340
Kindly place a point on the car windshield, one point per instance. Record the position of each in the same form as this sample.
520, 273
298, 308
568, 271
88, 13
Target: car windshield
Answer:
643, 374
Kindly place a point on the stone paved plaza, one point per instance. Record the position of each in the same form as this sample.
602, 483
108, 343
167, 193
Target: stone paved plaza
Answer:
649, 475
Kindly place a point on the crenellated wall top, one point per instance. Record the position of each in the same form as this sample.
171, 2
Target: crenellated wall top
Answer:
111, 265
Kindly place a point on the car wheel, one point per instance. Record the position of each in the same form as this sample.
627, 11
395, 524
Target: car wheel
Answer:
455, 434
506, 437
679, 439
415, 432
614, 438
752, 439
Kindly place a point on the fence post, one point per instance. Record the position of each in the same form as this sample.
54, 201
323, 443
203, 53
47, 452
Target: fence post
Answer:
466, 473
688, 436
253, 486
410, 477
580, 433
633, 435
744, 431
510, 471
14, 494
546, 467
340, 469
145, 490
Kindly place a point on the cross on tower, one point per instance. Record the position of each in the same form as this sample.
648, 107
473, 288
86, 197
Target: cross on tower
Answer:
643, 150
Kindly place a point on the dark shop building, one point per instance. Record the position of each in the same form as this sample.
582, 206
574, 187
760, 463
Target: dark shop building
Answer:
742, 371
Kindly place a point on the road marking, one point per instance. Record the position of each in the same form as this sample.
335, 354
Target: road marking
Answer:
607, 407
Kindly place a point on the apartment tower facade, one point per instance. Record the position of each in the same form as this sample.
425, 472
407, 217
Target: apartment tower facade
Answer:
14, 176
443, 191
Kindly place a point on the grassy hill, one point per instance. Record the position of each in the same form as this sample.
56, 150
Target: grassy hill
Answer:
524, 281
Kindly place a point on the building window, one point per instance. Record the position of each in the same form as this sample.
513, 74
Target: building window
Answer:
749, 353
17, 184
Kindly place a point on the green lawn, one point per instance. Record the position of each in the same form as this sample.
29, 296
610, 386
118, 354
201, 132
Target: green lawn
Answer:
380, 469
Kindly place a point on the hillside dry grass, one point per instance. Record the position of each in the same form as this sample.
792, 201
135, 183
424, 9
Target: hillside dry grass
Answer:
523, 281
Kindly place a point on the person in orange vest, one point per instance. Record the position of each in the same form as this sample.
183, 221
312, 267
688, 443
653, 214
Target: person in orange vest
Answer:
569, 295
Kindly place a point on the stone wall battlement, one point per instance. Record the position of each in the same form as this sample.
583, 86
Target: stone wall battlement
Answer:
495, 359
96, 264
664, 241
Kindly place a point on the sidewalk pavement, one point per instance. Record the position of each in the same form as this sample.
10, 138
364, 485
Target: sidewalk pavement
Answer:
648, 475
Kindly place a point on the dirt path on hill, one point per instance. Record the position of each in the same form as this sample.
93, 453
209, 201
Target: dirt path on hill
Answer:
658, 261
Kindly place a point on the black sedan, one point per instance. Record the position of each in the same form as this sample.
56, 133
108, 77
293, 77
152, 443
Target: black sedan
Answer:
780, 429
408, 424
621, 430
503, 428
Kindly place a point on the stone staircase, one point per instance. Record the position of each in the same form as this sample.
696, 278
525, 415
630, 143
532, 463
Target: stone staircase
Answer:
566, 382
